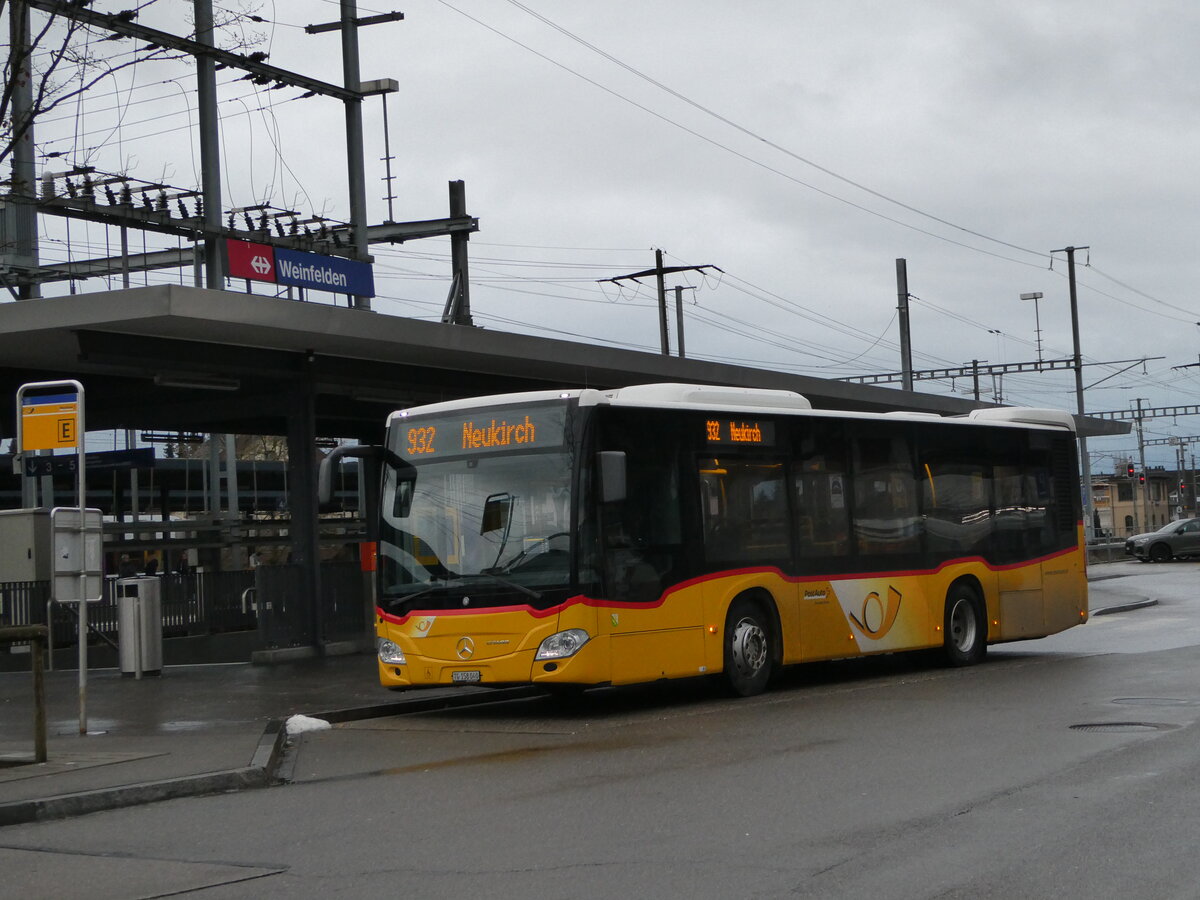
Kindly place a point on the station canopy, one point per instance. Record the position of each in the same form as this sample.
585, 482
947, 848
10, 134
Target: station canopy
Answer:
178, 358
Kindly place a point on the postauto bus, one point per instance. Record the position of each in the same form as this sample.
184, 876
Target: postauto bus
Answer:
589, 537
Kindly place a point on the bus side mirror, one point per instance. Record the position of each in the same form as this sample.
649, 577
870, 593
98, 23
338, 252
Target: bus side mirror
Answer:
610, 465
496, 511
325, 474
368, 470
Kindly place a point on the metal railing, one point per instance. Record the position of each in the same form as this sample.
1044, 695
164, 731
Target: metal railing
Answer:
208, 603
1109, 551
286, 620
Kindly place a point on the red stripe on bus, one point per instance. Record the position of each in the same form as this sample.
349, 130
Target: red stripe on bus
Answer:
583, 600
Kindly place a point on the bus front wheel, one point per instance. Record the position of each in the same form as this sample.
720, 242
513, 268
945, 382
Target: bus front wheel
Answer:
747, 648
965, 627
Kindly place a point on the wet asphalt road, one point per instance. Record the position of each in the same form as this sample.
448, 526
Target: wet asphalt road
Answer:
1066, 766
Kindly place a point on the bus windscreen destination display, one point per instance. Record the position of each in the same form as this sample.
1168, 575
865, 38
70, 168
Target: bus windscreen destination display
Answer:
739, 432
480, 431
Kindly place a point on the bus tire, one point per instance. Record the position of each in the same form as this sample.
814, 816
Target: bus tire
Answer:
965, 641
748, 648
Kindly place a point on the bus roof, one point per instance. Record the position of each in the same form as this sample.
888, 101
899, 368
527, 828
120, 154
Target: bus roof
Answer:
702, 396
705, 396
749, 400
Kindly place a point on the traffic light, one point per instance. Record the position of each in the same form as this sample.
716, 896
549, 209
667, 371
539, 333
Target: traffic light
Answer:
1183, 487
1129, 470
1141, 478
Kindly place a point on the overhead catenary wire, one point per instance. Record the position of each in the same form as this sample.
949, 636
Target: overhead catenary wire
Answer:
511, 269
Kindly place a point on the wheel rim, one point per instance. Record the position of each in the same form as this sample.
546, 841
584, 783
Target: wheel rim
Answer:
962, 625
748, 647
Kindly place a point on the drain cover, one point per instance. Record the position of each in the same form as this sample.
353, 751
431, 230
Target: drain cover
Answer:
1119, 727
1155, 701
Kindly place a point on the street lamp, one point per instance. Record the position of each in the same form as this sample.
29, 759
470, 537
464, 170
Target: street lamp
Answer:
383, 87
1035, 296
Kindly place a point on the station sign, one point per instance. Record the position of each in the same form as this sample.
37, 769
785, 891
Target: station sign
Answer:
262, 262
49, 421
324, 273
251, 260
109, 460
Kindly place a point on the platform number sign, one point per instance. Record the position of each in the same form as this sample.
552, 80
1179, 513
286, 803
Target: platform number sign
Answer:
49, 421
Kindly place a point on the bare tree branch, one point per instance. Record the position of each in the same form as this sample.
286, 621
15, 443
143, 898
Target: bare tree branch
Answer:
90, 67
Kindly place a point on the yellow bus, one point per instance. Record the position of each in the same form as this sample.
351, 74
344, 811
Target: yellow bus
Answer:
587, 537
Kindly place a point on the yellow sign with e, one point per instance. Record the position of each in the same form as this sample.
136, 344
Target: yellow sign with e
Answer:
49, 422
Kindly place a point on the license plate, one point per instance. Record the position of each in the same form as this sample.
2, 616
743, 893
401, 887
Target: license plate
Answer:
466, 677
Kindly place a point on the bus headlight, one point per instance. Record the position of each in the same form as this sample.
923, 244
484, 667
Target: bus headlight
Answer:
389, 652
564, 644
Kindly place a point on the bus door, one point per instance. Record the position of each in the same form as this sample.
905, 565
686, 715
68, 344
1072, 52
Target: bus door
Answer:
1016, 525
654, 629
1055, 508
821, 490
744, 519
890, 605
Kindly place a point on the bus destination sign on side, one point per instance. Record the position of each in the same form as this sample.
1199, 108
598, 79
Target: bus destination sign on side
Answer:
480, 433
740, 432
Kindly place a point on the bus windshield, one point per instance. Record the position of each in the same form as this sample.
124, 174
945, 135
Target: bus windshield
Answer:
487, 527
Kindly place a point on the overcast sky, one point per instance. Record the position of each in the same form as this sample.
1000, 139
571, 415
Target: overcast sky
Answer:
800, 146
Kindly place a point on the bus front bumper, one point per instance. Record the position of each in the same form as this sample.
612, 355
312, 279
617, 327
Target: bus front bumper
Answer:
586, 666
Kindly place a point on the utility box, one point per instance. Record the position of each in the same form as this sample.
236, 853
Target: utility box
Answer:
25, 545
139, 625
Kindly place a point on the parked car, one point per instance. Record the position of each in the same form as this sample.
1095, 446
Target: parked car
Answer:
1180, 538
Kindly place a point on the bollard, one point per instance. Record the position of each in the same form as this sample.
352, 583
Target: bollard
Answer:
39, 702
36, 635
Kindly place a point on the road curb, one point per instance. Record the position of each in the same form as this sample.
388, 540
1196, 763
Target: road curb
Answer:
270, 765
1107, 576
1125, 607
283, 762
78, 804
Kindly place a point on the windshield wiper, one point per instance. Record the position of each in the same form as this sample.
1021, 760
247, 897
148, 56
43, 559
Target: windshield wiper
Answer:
538, 542
458, 581
398, 598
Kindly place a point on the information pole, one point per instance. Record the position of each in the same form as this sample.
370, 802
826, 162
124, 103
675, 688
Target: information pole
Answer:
50, 416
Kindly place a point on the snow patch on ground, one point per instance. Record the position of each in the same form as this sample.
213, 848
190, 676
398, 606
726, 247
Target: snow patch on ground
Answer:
300, 724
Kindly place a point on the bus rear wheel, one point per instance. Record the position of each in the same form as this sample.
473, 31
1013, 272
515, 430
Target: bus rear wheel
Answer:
965, 627
748, 643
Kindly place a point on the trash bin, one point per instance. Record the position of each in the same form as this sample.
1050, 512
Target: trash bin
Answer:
139, 625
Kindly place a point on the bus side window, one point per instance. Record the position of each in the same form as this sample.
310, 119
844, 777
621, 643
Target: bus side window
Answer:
1011, 522
822, 515
744, 509
956, 500
886, 517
